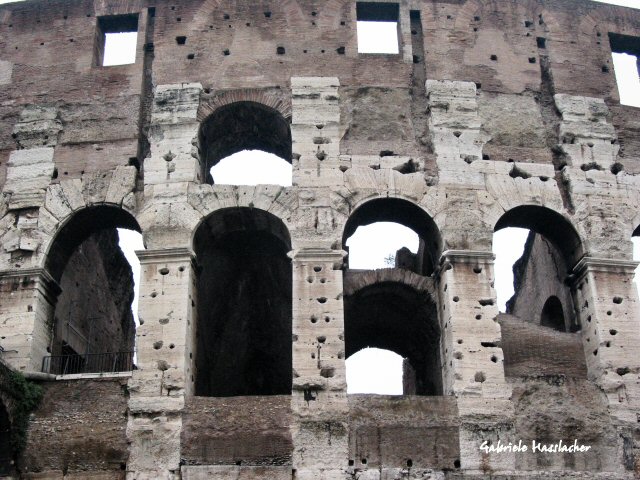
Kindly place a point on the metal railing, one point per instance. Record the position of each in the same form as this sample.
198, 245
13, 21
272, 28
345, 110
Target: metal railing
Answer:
88, 363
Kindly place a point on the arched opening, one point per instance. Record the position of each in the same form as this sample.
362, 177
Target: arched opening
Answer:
373, 370
382, 310
552, 315
403, 213
244, 126
393, 316
6, 448
93, 328
544, 248
243, 339
550, 249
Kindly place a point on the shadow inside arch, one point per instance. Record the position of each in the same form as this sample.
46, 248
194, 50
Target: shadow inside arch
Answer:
548, 223
80, 227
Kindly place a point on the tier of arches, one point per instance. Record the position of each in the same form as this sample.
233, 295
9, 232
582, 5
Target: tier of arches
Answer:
242, 259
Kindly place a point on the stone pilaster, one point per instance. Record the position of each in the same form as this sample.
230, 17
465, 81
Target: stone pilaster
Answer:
607, 304
315, 131
27, 302
472, 357
319, 400
164, 360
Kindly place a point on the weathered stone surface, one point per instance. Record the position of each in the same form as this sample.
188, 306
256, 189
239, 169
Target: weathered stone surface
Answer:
492, 115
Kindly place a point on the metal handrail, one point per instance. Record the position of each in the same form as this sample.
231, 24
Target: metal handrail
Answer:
110, 362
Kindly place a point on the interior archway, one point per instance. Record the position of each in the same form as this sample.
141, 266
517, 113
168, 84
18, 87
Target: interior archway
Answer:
243, 344
552, 315
93, 328
397, 317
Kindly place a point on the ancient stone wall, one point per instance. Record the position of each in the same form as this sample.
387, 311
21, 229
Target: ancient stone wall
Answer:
493, 114
78, 431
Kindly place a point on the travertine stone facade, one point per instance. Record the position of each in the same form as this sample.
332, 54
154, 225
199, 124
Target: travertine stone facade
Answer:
493, 114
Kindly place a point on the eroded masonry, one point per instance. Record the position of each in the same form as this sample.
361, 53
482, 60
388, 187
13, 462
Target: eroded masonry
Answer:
492, 114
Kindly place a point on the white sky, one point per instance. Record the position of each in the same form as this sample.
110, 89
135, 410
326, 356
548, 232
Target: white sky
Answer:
371, 370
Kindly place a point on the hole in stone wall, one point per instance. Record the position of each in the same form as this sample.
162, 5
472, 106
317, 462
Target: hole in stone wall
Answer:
377, 27
552, 315
252, 167
531, 266
625, 51
390, 232
383, 245
116, 40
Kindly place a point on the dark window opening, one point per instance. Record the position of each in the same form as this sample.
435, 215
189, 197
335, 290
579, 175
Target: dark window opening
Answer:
243, 126
377, 27
116, 40
243, 344
625, 51
552, 315
94, 326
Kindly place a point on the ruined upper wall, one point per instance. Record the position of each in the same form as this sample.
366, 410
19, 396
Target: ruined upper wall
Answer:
47, 57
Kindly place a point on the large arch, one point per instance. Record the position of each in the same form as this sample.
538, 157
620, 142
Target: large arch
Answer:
243, 125
243, 340
92, 315
406, 213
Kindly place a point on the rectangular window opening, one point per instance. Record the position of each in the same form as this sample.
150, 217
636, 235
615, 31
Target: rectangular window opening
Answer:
116, 40
626, 57
377, 27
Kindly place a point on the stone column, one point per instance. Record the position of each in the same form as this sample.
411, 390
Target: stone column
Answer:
607, 305
27, 303
472, 357
319, 398
165, 353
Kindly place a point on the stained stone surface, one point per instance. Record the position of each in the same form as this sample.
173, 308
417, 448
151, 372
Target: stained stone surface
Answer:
493, 114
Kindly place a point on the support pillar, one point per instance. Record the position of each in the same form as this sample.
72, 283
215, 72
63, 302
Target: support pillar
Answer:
27, 304
607, 304
319, 398
473, 368
165, 356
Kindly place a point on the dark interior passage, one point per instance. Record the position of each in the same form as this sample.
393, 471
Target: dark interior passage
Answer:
93, 314
244, 305
397, 317
552, 315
